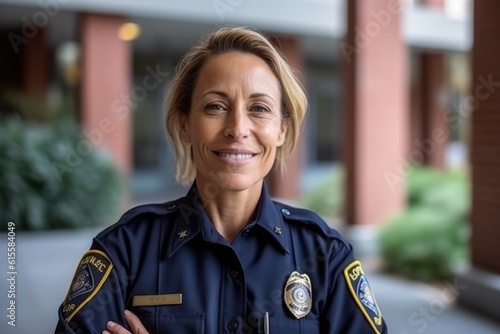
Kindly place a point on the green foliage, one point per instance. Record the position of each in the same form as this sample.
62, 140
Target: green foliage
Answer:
50, 179
429, 238
327, 199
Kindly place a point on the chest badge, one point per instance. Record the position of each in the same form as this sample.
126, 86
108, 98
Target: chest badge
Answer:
298, 294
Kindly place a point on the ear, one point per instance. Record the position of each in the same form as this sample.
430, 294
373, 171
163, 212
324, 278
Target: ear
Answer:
282, 134
185, 135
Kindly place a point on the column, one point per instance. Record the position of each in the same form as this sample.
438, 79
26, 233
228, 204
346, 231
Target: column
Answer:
376, 85
435, 131
286, 185
35, 56
106, 86
481, 282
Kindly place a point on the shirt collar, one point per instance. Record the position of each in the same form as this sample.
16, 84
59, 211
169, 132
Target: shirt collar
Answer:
192, 219
187, 223
270, 219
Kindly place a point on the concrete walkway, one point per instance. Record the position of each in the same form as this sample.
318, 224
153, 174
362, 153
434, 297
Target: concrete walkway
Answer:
46, 265
413, 308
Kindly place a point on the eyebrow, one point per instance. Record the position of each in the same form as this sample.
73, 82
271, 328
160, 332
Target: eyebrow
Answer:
224, 94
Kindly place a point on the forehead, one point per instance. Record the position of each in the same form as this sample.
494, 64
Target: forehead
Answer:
237, 68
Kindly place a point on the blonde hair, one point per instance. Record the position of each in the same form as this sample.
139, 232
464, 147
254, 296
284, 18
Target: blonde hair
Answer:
225, 40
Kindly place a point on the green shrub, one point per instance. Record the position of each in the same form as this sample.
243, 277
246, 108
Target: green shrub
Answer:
429, 238
46, 184
327, 199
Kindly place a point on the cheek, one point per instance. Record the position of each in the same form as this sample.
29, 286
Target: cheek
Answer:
192, 128
272, 133
202, 132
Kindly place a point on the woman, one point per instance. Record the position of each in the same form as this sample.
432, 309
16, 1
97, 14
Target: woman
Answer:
225, 258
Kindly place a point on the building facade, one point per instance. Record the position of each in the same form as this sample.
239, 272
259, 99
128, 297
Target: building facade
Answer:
381, 77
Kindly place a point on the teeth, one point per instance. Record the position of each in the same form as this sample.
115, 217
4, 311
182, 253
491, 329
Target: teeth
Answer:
238, 156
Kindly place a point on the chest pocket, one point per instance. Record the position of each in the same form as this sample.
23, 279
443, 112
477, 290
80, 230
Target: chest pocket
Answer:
167, 323
292, 326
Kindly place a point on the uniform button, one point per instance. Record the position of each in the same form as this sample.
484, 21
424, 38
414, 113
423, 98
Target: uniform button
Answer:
285, 212
233, 274
171, 207
232, 325
245, 232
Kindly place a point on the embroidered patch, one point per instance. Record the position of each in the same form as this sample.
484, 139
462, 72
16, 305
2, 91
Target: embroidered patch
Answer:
363, 295
298, 294
90, 275
82, 283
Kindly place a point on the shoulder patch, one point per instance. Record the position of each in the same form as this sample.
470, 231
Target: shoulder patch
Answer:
91, 273
363, 295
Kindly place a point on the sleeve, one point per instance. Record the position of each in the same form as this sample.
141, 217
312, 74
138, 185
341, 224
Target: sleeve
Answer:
352, 307
97, 294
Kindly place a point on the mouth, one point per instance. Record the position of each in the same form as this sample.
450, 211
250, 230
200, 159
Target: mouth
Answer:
235, 157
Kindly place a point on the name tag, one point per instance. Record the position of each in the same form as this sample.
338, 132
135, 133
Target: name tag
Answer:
155, 300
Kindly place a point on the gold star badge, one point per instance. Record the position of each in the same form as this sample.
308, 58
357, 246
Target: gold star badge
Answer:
182, 234
277, 230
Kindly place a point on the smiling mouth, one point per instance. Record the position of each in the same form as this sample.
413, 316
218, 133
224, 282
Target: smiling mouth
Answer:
235, 156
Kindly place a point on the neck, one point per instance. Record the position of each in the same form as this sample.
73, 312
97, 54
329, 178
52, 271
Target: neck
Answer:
230, 211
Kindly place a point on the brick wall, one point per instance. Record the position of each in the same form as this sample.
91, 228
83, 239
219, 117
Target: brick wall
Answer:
286, 185
485, 151
435, 134
106, 87
376, 86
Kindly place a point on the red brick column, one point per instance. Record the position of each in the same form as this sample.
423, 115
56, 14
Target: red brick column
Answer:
435, 131
416, 112
35, 55
485, 150
106, 86
429, 142
483, 277
376, 110
287, 185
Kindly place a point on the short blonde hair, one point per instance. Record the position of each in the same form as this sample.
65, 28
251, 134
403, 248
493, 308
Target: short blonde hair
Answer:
225, 40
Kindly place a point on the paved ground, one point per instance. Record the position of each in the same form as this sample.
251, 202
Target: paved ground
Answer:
45, 266
416, 308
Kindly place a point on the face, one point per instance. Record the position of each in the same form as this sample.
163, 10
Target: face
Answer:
235, 123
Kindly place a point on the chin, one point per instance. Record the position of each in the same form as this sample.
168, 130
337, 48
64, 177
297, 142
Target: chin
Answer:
236, 182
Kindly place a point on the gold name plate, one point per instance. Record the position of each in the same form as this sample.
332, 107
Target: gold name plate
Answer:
155, 300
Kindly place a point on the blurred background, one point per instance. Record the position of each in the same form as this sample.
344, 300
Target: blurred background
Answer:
399, 151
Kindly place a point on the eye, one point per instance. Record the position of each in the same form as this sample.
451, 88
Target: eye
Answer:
259, 108
215, 107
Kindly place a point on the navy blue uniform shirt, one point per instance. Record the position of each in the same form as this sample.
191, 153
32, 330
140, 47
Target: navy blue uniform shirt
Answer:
286, 272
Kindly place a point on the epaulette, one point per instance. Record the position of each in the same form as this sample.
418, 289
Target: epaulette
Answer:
307, 217
158, 209
155, 209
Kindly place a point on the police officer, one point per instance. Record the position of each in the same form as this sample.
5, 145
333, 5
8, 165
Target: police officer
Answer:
225, 258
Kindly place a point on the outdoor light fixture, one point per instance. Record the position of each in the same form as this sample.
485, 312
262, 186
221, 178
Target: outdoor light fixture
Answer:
129, 31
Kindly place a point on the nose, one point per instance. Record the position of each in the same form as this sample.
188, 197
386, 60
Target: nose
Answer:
237, 124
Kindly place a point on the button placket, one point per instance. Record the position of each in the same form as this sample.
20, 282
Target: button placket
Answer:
232, 325
233, 302
233, 274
